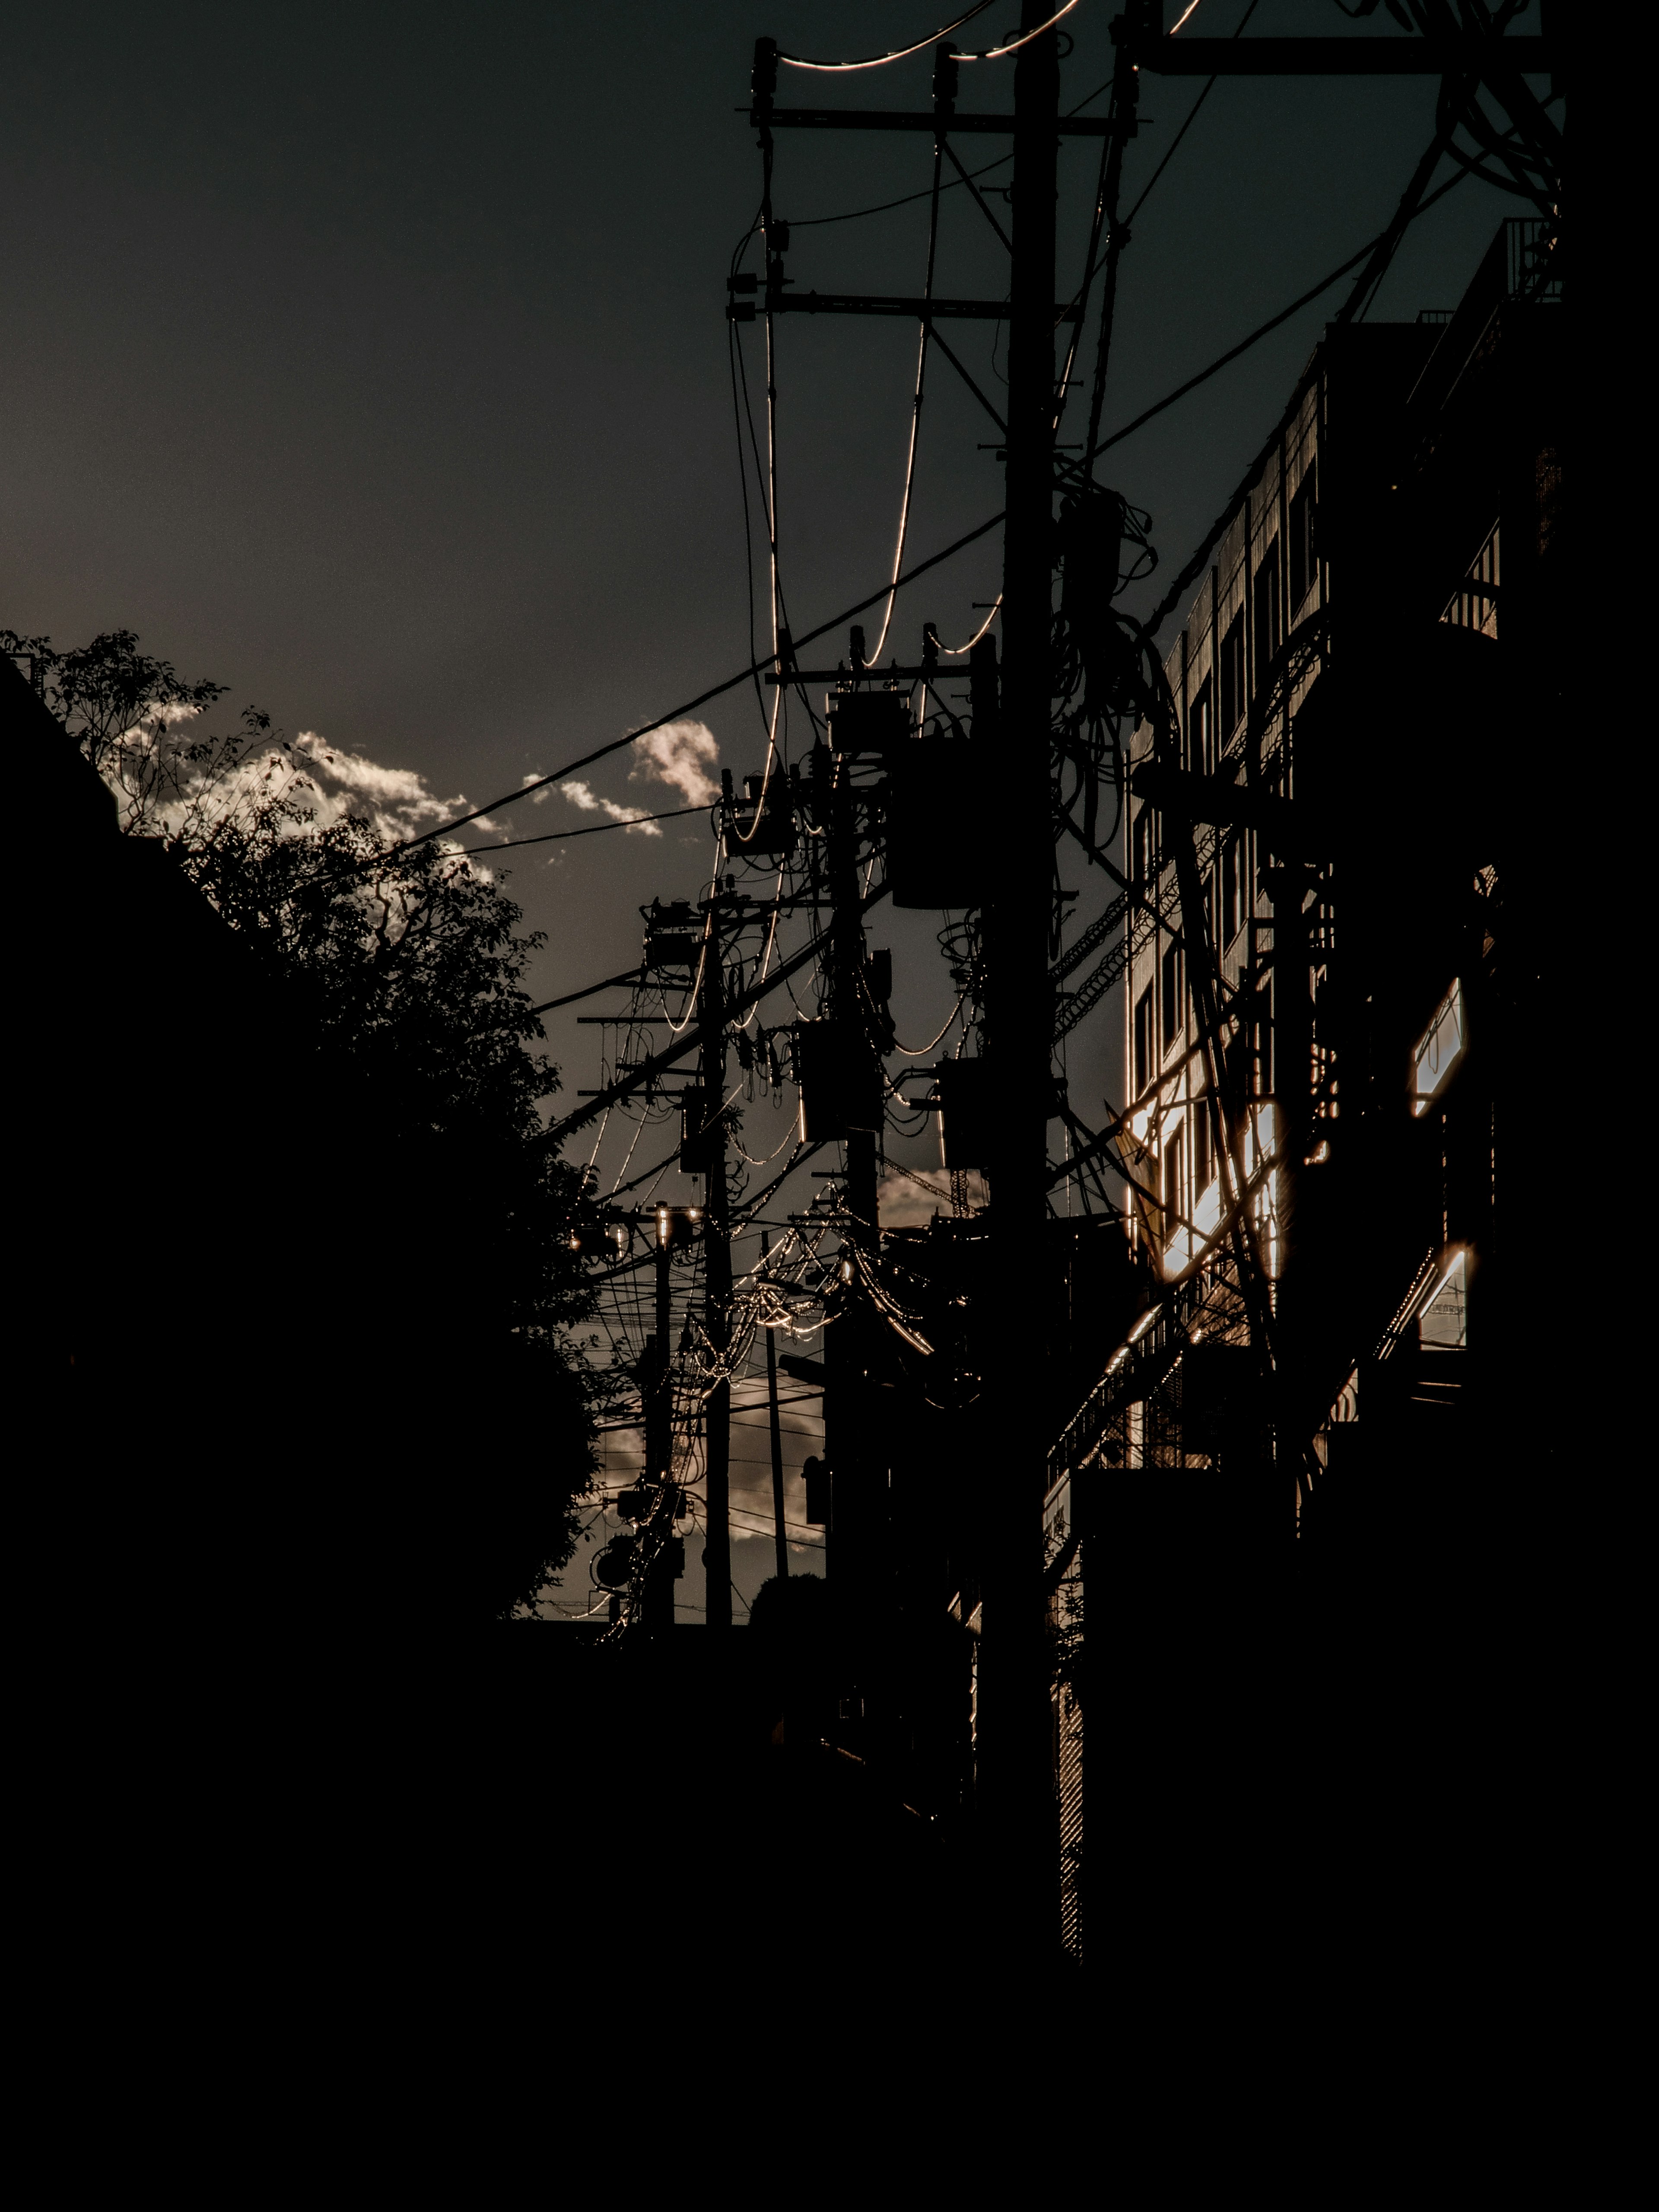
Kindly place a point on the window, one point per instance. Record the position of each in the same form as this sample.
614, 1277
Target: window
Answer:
1143, 1040
1269, 623
1474, 605
1304, 555
1438, 1051
1174, 994
1202, 1168
1175, 1198
1262, 1069
1444, 1321
1232, 677
1143, 843
1200, 731
1232, 888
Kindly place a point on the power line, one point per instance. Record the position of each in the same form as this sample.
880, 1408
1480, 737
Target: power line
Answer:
593, 830
922, 567
1196, 560
880, 61
1191, 116
1244, 346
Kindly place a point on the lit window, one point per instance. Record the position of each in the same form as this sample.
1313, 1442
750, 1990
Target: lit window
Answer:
1436, 1055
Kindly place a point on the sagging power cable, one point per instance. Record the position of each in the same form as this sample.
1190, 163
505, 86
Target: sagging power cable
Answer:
1071, 470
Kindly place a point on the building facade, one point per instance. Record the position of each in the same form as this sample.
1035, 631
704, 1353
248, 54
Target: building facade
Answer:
1336, 965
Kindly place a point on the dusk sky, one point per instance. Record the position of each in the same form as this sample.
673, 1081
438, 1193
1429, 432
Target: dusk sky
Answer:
373, 362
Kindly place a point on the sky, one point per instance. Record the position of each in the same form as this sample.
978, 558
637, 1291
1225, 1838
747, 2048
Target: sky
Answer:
373, 360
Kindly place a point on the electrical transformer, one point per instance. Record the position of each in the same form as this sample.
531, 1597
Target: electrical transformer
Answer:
869, 721
672, 935
774, 837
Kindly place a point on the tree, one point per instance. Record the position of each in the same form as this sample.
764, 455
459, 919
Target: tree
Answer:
467, 1242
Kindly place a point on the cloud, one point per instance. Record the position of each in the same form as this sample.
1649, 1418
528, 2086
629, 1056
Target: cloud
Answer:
397, 802
581, 795
905, 1204
673, 755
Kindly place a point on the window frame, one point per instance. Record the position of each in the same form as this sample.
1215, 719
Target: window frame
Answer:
1304, 537
1146, 1017
1269, 611
1171, 987
1234, 694
1200, 729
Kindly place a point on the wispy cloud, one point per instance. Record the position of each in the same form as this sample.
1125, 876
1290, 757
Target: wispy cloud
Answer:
580, 795
396, 802
675, 755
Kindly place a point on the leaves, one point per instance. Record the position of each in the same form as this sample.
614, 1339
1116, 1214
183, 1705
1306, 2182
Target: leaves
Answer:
404, 968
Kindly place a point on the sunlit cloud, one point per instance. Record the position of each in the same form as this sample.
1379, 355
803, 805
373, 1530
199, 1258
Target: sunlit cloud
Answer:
396, 802
581, 794
675, 755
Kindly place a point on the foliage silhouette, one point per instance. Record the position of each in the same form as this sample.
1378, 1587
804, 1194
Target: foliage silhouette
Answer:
456, 1240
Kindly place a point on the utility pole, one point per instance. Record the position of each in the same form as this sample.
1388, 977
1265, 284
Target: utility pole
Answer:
1021, 1866
659, 1420
777, 1432
717, 1269
855, 1494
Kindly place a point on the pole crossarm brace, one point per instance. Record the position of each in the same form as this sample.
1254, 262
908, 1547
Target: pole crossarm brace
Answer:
878, 303
899, 119
692, 1041
1353, 56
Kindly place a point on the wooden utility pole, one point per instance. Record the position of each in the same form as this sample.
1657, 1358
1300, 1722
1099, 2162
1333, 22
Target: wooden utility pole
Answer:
717, 1271
777, 1434
857, 1494
659, 1420
1015, 1784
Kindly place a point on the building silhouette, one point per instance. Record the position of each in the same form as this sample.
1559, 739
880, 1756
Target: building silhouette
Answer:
1325, 1148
